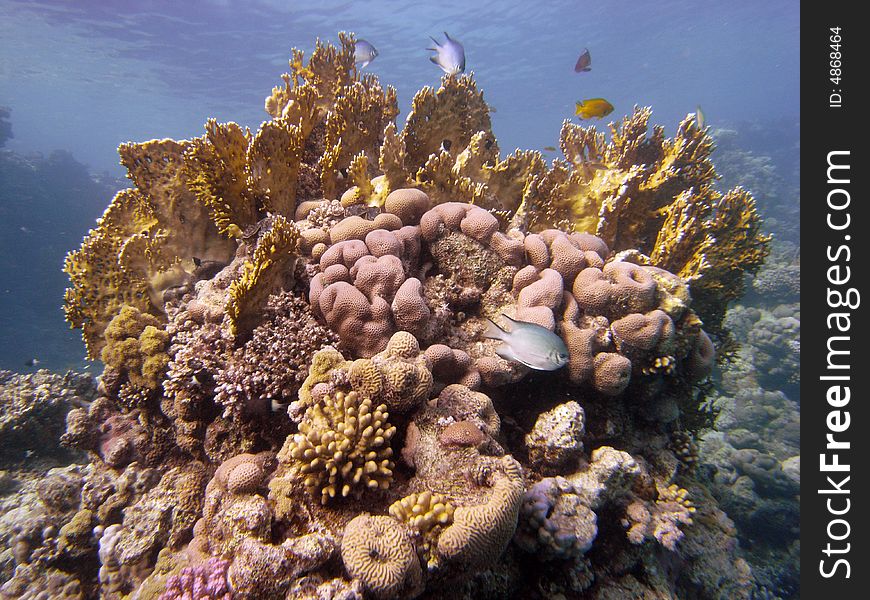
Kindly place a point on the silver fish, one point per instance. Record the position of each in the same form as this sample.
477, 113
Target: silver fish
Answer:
529, 344
364, 53
450, 55
700, 120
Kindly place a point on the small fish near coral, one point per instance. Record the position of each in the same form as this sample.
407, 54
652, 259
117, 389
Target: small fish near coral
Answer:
364, 53
529, 344
450, 55
700, 119
584, 62
593, 107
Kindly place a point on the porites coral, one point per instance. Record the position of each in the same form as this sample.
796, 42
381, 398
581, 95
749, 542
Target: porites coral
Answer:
343, 446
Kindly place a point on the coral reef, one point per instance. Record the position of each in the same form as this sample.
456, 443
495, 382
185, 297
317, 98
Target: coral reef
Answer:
32, 412
300, 398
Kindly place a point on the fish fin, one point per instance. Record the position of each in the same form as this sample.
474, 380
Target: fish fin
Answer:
436, 43
434, 59
363, 64
493, 331
511, 319
507, 353
447, 36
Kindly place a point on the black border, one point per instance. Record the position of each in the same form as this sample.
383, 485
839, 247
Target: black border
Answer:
826, 128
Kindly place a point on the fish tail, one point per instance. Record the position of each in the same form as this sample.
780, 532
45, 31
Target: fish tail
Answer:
493, 331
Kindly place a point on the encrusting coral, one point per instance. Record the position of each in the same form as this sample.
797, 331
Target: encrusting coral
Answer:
301, 398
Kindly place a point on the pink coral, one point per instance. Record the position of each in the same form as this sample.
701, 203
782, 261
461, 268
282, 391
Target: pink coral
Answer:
364, 326
474, 222
642, 334
410, 311
462, 433
207, 581
617, 289
362, 291
701, 358
612, 373
356, 228
546, 291
381, 242
450, 365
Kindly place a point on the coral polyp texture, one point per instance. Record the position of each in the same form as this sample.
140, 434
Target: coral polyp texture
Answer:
302, 397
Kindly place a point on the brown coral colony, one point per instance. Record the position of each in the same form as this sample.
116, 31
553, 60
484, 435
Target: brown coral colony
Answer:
279, 310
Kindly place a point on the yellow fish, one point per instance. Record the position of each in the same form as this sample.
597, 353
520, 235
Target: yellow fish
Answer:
593, 107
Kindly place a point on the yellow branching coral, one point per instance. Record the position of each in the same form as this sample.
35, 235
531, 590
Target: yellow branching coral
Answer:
355, 123
582, 145
343, 447
438, 179
358, 118
314, 85
507, 180
561, 198
392, 159
274, 157
271, 264
144, 243
454, 113
99, 285
216, 169
136, 346
711, 240
671, 166
184, 225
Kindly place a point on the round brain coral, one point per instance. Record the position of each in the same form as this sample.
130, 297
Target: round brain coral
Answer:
378, 551
343, 446
408, 204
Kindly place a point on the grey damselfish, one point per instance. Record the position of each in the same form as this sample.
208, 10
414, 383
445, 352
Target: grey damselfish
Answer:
450, 55
529, 344
364, 53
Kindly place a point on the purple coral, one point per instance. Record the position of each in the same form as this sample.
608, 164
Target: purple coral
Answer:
554, 522
207, 581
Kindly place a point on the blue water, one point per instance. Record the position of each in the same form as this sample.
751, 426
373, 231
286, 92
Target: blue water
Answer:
83, 77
